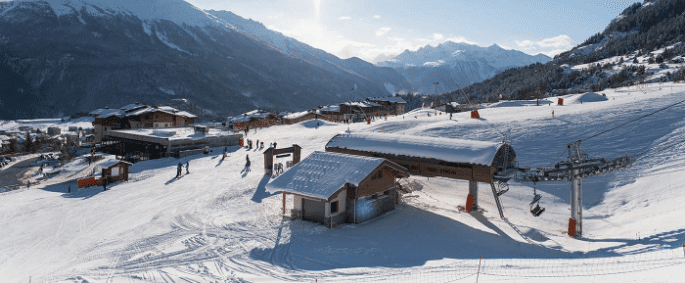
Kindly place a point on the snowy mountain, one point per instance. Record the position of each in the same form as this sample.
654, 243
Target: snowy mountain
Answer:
385, 77
456, 65
66, 56
645, 43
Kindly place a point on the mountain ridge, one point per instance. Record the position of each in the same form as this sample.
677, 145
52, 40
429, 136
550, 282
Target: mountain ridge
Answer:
117, 54
456, 65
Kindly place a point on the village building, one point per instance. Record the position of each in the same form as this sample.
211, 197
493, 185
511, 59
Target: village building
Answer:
138, 116
392, 105
115, 170
143, 144
359, 111
454, 107
54, 131
294, 118
254, 119
474, 161
331, 111
333, 188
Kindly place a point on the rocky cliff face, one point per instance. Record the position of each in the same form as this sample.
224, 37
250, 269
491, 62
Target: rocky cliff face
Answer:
70, 56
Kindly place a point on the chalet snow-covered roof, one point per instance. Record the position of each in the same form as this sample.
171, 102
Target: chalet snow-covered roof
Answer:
331, 108
322, 174
111, 162
447, 149
245, 117
393, 99
362, 104
164, 109
133, 106
104, 113
296, 115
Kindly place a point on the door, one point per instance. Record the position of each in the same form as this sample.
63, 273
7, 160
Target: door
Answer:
313, 210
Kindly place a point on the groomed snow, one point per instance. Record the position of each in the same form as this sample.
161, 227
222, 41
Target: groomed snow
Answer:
218, 223
322, 174
451, 150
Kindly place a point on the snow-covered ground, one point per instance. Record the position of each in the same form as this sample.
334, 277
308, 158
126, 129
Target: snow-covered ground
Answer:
218, 224
44, 124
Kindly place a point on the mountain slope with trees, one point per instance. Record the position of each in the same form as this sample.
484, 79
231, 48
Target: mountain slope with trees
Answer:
644, 43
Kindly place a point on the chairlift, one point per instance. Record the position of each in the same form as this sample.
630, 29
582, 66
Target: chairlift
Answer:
535, 208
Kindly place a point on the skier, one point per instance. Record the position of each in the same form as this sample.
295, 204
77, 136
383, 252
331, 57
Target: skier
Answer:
317, 125
247, 164
179, 169
552, 113
105, 182
187, 166
256, 146
450, 116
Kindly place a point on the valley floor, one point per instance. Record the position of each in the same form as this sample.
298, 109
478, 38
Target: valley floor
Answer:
218, 224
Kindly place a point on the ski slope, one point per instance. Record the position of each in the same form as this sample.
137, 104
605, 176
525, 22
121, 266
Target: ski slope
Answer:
218, 224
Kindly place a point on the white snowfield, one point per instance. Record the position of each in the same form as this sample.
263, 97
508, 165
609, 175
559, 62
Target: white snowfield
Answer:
218, 224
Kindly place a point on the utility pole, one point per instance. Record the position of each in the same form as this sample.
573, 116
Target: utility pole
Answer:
577, 167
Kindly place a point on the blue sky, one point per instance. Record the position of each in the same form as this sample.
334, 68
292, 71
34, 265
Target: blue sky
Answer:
368, 28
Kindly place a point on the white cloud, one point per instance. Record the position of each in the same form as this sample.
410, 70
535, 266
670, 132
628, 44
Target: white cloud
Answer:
549, 46
461, 39
376, 17
382, 31
437, 36
344, 18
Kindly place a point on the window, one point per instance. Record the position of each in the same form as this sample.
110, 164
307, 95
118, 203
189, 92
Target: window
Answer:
334, 207
115, 171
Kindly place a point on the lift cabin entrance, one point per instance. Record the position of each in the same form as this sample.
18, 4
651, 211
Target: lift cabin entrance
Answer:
474, 161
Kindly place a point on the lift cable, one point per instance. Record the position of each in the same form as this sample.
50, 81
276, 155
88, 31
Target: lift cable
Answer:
634, 120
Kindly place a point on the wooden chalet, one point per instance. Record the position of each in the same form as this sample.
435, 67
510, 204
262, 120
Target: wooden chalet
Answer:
392, 105
254, 119
333, 188
137, 116
115, 170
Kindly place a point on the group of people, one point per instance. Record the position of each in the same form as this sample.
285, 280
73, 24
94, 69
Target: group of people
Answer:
256, 145
179, 169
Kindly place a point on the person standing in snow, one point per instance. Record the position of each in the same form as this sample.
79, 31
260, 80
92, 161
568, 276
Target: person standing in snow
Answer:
247, 163
450, 116
179, 169
105, 182
187, 166
552, 113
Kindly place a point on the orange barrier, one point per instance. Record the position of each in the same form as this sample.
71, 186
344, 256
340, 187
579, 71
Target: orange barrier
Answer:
561, 101
571, 227
89, 182
475, 115
469, 202
241, 142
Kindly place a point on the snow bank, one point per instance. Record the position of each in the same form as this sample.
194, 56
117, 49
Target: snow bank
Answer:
585, 97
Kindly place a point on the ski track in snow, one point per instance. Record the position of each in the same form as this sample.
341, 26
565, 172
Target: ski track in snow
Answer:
217, 224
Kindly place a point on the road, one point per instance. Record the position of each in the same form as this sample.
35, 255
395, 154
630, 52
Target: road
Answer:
11, 176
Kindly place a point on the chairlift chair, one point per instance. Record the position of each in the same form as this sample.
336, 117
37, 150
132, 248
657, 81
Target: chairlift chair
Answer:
535, 208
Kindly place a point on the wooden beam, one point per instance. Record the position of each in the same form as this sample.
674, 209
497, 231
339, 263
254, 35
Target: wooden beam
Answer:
283, 203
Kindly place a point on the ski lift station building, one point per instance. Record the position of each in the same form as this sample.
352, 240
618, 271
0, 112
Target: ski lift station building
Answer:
474, 161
